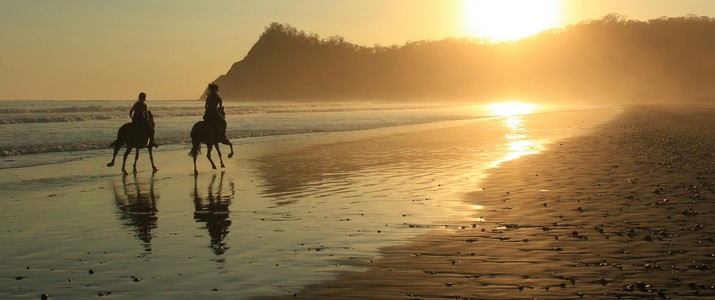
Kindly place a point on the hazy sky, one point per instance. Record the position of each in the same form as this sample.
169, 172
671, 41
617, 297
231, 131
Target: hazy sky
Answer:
170, 49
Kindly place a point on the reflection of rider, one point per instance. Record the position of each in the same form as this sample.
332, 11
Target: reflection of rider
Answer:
213, 106
140, 116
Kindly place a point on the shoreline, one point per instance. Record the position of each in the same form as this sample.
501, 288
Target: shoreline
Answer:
623, 211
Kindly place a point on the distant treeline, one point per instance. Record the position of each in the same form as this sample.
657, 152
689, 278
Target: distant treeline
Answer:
611, 59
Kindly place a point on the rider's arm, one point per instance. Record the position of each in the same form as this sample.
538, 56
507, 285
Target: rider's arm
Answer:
131, 111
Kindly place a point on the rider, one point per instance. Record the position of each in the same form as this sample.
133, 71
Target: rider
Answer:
213, 106
140, 117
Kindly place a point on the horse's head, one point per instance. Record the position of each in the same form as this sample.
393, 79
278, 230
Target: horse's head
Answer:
150, 118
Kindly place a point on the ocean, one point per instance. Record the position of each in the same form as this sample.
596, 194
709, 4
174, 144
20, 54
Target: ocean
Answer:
37, 127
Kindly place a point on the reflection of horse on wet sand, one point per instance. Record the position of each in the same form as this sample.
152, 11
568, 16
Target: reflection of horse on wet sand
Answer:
134, 137
205, 132
136, 208
213, 209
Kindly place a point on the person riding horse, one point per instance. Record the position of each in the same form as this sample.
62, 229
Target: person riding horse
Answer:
213, 113
138, 134
211, 130
140, 117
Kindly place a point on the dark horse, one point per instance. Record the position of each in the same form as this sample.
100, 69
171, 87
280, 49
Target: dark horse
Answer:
134, 137
205, 132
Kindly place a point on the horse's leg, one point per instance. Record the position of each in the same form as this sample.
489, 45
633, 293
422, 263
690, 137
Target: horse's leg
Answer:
116, 150
220, 159
151, 158
136, 157
194, 152
196, 172
208, 155
227, 142
124, 161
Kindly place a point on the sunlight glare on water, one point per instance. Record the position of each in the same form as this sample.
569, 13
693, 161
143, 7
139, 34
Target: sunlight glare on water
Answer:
515, 128
512, 108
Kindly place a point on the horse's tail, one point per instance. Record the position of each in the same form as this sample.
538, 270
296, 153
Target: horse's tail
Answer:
195, 140
121, 135
195, 149
116, 142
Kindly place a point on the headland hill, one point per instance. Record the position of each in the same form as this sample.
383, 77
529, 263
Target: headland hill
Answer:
612, 59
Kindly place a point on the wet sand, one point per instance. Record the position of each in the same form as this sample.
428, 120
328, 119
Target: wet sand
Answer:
625, 211
286, 212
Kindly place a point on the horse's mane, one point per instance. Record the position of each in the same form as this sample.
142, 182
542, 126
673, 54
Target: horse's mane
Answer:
150, 118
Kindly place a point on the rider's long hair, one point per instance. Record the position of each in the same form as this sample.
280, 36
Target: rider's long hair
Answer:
212, 90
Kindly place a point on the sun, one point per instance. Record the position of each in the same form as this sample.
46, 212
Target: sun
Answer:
508, 20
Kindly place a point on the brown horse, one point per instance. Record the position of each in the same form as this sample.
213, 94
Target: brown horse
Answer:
134, 137
205, 132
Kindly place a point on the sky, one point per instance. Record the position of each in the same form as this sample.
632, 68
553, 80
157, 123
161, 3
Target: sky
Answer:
171, 49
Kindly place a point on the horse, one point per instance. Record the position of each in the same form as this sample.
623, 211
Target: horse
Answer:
135, 137
205, 132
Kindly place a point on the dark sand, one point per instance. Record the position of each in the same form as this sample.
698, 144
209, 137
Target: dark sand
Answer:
623, 212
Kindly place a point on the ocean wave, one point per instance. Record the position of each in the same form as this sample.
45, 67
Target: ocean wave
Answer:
96, 145
52, 110
18, 115
12, 150
37, 128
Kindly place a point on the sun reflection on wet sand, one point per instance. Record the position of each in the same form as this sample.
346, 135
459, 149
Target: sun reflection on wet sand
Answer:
516, 128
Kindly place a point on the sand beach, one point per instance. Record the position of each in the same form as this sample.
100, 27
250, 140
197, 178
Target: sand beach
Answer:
623, 212
467, 209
